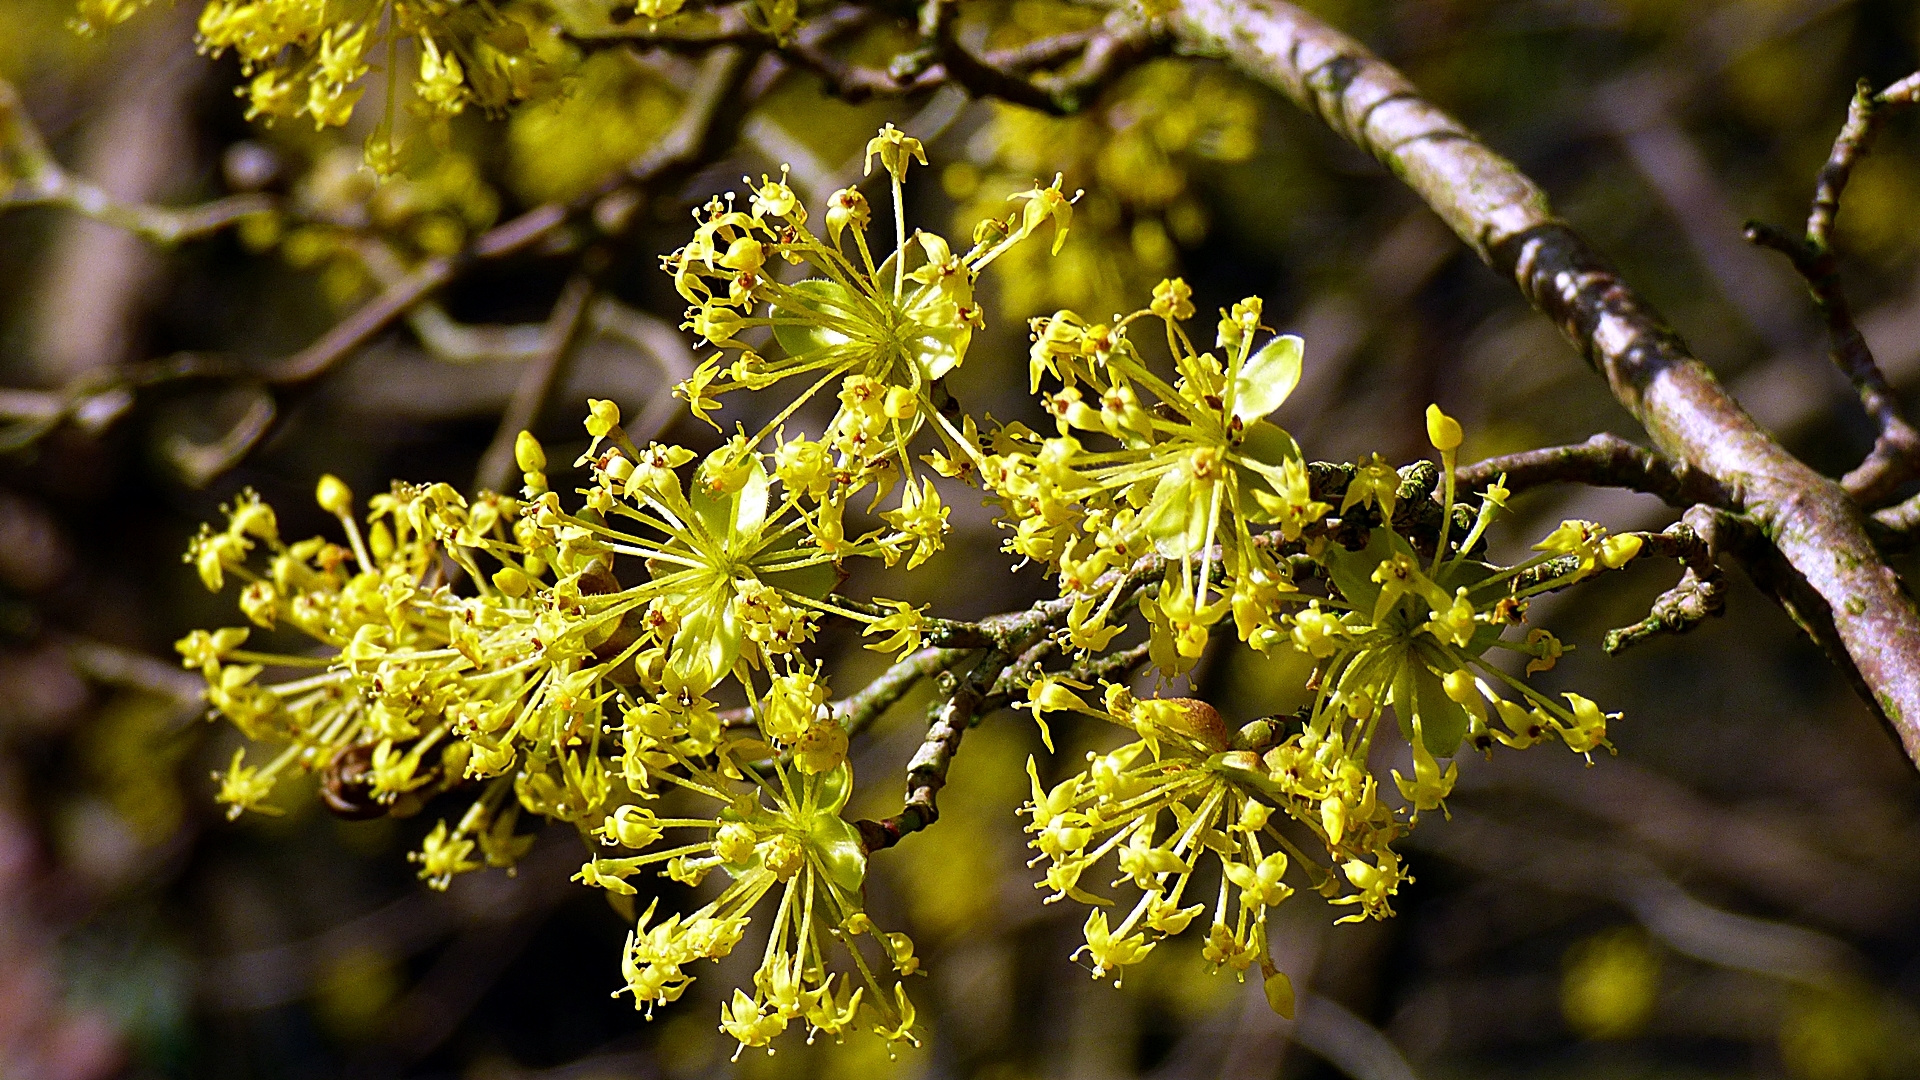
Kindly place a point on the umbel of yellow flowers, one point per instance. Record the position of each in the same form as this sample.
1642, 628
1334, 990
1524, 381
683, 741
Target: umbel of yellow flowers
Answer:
564, 656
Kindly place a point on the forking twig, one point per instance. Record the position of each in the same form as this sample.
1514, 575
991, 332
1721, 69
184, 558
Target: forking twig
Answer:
33, 178
1895, 457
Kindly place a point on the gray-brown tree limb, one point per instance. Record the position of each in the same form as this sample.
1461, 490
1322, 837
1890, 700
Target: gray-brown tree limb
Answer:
1504, 216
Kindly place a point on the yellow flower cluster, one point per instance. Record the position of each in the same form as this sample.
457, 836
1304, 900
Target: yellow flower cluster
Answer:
432, 210
1186, 769
486, 645
1389, 630
311, 58
614, 109
884, 334
567, 658
1195, 467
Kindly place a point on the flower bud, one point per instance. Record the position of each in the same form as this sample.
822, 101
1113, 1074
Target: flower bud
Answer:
1279, 991
1618, 551
602, 417
1459, 686
734, 843
1173, 299
334, 496
899, 949
821, 748
847, 207
510, 580
617, 468
745, 255
528, 454
632, 827
899, 403
1443, 431
259, 603
1360, 704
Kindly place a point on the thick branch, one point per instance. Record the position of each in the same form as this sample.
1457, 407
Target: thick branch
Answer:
1504, 216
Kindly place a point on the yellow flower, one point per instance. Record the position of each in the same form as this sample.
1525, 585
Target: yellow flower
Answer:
901, 1030
1045, 204
846, 207
904, 629
1443, 431
1260, 884
244, 787
743, 1019
1373, 481
921, 521
443, 855
200, 649
1053, 694
1110, 951
1173, 299
896, 149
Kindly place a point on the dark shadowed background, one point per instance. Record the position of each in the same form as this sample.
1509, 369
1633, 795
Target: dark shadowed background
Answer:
1733, 895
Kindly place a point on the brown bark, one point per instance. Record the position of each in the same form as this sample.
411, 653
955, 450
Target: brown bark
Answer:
1505, 217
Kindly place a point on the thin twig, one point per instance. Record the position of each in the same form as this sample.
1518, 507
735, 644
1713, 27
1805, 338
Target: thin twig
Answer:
697, 136
1897, 528
809, 49
38, 180
681, 148
1122, 43
535, 390
1895, 456
1044, 52
1700, 594
115, 666
927, 771
858, 710
1110, 667
966, 701
1355, 1047
1605, 460
1103, 55
1685, 923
